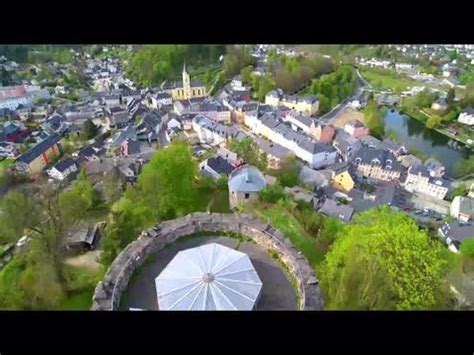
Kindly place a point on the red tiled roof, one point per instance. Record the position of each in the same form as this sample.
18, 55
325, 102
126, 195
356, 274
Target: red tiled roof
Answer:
12, 91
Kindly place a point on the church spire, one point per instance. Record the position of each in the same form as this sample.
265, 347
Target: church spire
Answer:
184, 67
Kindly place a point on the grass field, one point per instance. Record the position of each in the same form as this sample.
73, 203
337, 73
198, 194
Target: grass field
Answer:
288, 225
387, 79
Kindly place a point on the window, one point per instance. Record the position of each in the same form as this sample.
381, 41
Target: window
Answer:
247, 196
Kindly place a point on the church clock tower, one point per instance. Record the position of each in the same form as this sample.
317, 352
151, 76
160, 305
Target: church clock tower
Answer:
186, 83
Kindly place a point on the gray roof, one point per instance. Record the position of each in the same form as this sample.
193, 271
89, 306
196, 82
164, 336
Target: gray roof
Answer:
273, 149
313, 177
64, 164
361, 201
466, 205
385, 158
458, 232
247, 179
38, 149
335, 209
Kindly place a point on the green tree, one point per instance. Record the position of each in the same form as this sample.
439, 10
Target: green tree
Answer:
271, 194
467, 247
450, 96
73, 206
89, 130
18, 214
464, 167
468, 99
246, 74
114, 185
288, 173
460, 190
247, 149
374, 119
236, 58
265, 85
403, 267
433, 122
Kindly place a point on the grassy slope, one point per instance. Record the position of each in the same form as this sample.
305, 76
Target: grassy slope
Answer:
288, 225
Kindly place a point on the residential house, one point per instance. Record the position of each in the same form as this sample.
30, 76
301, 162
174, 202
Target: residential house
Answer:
435, 168
342, 179
212, 110
81, 237
129, 132
420, 180
346, 145
455, 233
149, 126
119, 119
462, 208
298, 121
383, 194
111, 100
130, 147
322, 132
130, 95
274, 151
409, 160
308, 105
395, 148
228, 155
336, 209
372, 142
467, 117
356, 129
215, 167
376, 164
129, 167
214, 133
314, 178
8, 150
63, 169
38, 157
161, 99
439, 105
12, 97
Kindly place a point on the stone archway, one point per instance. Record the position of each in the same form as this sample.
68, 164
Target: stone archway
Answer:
108, 292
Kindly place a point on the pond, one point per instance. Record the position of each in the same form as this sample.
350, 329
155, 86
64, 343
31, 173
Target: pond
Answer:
414, 135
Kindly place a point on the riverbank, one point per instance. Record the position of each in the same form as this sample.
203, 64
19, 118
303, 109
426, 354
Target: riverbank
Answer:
423, 117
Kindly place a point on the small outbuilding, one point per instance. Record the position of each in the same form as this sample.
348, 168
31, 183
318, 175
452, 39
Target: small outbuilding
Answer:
244, 185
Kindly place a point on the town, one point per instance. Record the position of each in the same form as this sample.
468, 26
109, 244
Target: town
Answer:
328, 145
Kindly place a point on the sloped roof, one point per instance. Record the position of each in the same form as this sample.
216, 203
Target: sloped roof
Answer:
209, 277
247, 179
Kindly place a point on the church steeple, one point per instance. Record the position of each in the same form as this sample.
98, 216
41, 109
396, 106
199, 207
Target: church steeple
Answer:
186, 81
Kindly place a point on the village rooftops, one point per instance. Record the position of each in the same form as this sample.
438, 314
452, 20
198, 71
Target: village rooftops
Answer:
457, 232
64, 164
384, 158
39, 149
334, 209
220, 165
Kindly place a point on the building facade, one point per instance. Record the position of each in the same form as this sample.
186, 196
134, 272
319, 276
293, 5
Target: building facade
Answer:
186, 89
419, 180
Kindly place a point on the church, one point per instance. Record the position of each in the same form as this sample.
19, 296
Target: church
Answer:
184, 90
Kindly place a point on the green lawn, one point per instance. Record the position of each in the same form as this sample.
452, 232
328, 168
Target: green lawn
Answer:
288, 225
6, 163
387, 79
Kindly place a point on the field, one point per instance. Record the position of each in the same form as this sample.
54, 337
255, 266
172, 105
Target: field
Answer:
386, 79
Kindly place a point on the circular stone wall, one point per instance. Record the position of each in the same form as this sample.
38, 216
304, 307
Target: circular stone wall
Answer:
108, 291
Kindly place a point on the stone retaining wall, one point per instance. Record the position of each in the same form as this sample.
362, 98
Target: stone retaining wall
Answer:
108, 291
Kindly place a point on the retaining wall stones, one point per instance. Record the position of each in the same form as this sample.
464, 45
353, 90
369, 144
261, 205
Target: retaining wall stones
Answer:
108, 291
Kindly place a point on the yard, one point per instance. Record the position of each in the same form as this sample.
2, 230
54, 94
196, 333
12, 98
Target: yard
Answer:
340, 120
213, 200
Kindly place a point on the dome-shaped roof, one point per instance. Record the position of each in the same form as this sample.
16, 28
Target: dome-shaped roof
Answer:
208, 277
247, 179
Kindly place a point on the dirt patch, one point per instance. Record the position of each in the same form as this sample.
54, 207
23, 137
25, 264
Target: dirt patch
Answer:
345, 116
89, 260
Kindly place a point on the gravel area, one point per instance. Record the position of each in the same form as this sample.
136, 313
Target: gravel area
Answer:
277, 292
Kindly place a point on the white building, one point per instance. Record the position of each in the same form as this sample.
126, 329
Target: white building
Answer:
421, 181
467, 117
316, 154
63, 169
462, 208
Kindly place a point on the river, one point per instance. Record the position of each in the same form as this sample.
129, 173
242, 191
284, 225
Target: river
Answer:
414, 134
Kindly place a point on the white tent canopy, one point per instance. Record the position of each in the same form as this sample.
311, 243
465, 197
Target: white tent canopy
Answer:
208, 277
